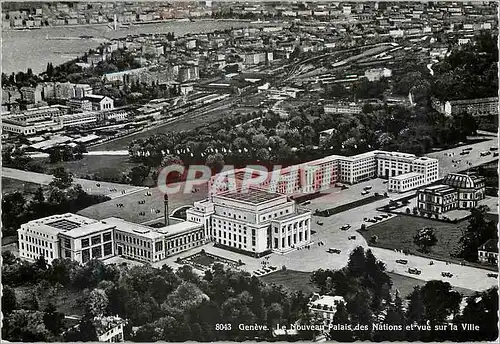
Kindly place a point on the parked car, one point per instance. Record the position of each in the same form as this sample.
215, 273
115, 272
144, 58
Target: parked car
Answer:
495, 154
414, 271
492, 275
446, 274
319, 223
365, 192
306, 203
371, 220
333, 250
369, 187
485, 153
352, 237
385, 182
402, 261
493, 148
378, 218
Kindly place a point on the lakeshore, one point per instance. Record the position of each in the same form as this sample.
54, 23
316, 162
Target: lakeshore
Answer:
37, 51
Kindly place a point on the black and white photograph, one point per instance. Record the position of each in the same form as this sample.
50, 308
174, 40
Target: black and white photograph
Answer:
265, 171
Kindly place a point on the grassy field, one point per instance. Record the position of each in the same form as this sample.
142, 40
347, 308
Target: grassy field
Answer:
291, 280
398, 232
103, 165
405, 285
11, 185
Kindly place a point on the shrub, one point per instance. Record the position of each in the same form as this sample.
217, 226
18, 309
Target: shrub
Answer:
415, 211
408, 210
363, 227
385, 194
374, 239
283, 268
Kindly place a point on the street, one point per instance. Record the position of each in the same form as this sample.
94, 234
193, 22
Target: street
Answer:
112, 190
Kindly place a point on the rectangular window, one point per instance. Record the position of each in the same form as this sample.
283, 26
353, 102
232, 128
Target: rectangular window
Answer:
67, 254
96, 240
85, 255
85, 242
106, 237
158, 246
108, 249
97, 252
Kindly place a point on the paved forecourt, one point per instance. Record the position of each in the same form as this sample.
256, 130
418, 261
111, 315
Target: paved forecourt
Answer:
472, 159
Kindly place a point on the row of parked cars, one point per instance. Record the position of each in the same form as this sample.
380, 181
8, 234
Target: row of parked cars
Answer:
377, 218
265, 271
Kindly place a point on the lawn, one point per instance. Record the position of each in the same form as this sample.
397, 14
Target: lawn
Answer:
108, 166
291, 280
398, 232
405, 285
10, 185
203, 259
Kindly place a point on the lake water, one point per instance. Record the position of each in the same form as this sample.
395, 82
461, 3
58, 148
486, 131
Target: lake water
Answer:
30, 49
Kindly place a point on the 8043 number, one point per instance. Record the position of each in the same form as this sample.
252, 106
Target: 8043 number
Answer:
223, 327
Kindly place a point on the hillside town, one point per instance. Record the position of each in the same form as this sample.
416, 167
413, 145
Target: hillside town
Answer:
312, 171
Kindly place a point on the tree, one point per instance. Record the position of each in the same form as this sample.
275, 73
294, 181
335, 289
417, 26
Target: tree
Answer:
425, 238
479, 230
9, 301
440, 301
25, 326
481, 309
53, 320
97, 303
62, 178
341, 317
138, 175
215, 162
55, 155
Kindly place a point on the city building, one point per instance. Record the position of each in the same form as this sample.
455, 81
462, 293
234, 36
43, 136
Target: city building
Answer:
376, 74
488, 252
472, 106
256, 222
457, 191
342, 107
325, 135
324, 307
78, 104
324, 173
80, 239
32, 95
99, 102
109, 329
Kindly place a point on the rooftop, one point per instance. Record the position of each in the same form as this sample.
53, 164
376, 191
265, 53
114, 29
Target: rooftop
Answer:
132, 228
407, 175
490, 246
461, 180
254, 196
178, 228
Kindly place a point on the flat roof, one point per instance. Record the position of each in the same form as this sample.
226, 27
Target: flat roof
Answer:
407, 175
179, 228
254, 196
132, 228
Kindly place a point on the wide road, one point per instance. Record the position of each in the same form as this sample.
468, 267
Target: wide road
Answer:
447, 157
112, 190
